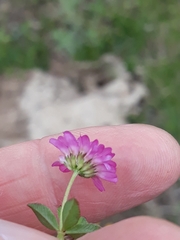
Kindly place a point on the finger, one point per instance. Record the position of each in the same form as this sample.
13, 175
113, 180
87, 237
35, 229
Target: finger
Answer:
137, 228
147, 164
12, 231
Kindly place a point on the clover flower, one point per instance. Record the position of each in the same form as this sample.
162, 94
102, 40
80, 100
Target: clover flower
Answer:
88, 159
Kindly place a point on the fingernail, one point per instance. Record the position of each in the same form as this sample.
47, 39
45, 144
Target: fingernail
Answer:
13, 231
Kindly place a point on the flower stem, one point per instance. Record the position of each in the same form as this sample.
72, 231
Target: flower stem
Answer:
60, 236
66, 198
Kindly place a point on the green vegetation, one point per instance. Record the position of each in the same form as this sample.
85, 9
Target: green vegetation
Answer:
143, 33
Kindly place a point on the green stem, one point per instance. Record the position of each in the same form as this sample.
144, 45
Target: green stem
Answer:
60, 236
66, 198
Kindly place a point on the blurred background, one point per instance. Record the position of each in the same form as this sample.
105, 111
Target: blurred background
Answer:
120, 57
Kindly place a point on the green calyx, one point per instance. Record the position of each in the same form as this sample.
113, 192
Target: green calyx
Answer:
77, 164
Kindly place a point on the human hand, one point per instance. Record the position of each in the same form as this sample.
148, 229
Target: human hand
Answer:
148, 162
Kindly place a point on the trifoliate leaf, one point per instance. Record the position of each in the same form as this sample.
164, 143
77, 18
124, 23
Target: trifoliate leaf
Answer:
81, 228
71, 214
45, 215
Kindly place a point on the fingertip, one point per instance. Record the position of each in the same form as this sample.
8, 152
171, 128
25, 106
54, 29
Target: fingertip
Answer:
137, 228
147, 157
13, 231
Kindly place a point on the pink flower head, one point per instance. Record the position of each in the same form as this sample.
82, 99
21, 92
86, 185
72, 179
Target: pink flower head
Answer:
88, 159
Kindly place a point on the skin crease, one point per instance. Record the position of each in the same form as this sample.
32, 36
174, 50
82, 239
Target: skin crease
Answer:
148, 162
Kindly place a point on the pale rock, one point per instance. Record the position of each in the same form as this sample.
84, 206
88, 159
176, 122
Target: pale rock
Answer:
54, 105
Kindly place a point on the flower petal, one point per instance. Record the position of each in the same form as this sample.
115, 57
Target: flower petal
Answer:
71, 142
97, 182
58, 143
63, 168
107, 150
109, 176
100, 149
57, 163
84, 144
108, 157
105, 168
94, 145
62, 159
97, 160
110, 166
92, 151
62, 140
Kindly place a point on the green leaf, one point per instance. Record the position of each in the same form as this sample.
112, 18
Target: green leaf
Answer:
81, 228
45, 215
71, 214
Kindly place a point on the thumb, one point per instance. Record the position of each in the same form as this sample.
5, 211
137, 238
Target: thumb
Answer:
13, 231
